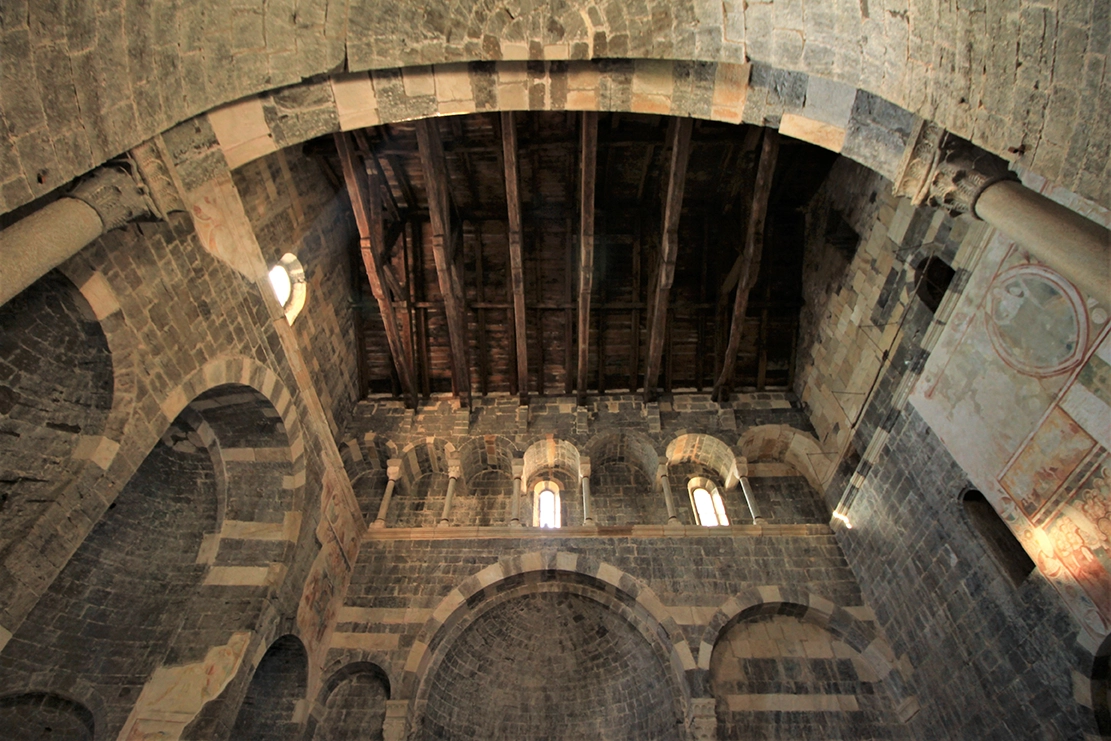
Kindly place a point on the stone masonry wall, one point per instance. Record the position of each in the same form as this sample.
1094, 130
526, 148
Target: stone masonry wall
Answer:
1021, 78
973, 639
293, 207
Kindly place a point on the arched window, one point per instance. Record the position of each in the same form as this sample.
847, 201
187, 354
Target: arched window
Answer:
709, 508
545, 505
287, 278
1000, 542
932, 277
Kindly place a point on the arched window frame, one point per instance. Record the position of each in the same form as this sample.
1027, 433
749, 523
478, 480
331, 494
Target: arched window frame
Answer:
715, 517
537, 495
992, 532
298, 287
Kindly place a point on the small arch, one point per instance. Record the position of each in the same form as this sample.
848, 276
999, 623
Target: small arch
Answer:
365, 460
932, 277
623, 474
782, 600
351, 704
47, 715
705, 450
422, 487
788, 445
999, 541
278, 685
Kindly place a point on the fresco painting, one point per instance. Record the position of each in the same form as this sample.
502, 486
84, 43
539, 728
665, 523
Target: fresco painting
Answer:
1031, 343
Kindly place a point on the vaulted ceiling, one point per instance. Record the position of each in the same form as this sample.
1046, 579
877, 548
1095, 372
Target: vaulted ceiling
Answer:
443, 220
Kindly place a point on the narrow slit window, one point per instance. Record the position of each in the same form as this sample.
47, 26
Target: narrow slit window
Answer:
546, 506
997, 538
709, 507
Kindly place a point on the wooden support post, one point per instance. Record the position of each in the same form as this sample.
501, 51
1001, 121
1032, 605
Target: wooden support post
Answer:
750, 264
587, 175
516, 261
439, 206
669, 247
366, 202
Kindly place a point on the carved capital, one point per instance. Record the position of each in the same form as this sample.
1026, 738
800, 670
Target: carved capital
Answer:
945, 171
393, 469
115, 194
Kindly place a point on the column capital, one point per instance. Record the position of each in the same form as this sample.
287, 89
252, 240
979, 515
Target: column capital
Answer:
584, 467
518, 467
454, 471
944, 171
115, 194
393, 469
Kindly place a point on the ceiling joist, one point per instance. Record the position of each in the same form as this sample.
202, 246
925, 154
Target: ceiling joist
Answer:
750, 259
366, 202
516, 261
680, 147
439, 207
588, 151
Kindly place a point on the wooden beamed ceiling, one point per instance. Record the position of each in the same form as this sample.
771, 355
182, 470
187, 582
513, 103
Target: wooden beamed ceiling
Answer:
560, 253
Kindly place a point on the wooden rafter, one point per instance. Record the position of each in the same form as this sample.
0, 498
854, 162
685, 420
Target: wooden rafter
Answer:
439, 206
750, 259
366, 202
680, 145
588, 151
516, 260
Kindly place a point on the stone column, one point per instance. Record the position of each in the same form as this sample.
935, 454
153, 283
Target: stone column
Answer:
453, 477
945, 171
518, 485
37, 243
584, 481
393, 471
395, 722
750, 500
669, 501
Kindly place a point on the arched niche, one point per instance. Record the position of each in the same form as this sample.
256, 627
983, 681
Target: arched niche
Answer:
786, 470
487, 467
56, 393
623, 468
553, 459
419, 498
352, 704
128, 588
559, 657
699, 455
779, 674
41, 716
279, 684
365, 460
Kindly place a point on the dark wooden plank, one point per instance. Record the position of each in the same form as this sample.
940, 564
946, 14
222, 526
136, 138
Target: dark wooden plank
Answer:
483, 355
634, 339
367, 206
750, 264
516, 261
434, 165
680, 144
588, 171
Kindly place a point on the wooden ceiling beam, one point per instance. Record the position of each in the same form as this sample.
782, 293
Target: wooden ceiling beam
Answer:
439, 206
750, 259
516, 260
680, 147
588, 170
366, 202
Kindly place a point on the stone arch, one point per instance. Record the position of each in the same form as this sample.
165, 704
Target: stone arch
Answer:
57, 395
351, 702
132, 580
623, 473
487, 468
547, 571
365, 460
813, 608
276, 692
34, 715
704, 450
422, 486
552, 459
785, 444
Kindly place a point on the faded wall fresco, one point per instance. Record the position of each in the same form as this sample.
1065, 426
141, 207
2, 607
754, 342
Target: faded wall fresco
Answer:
1019, 389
